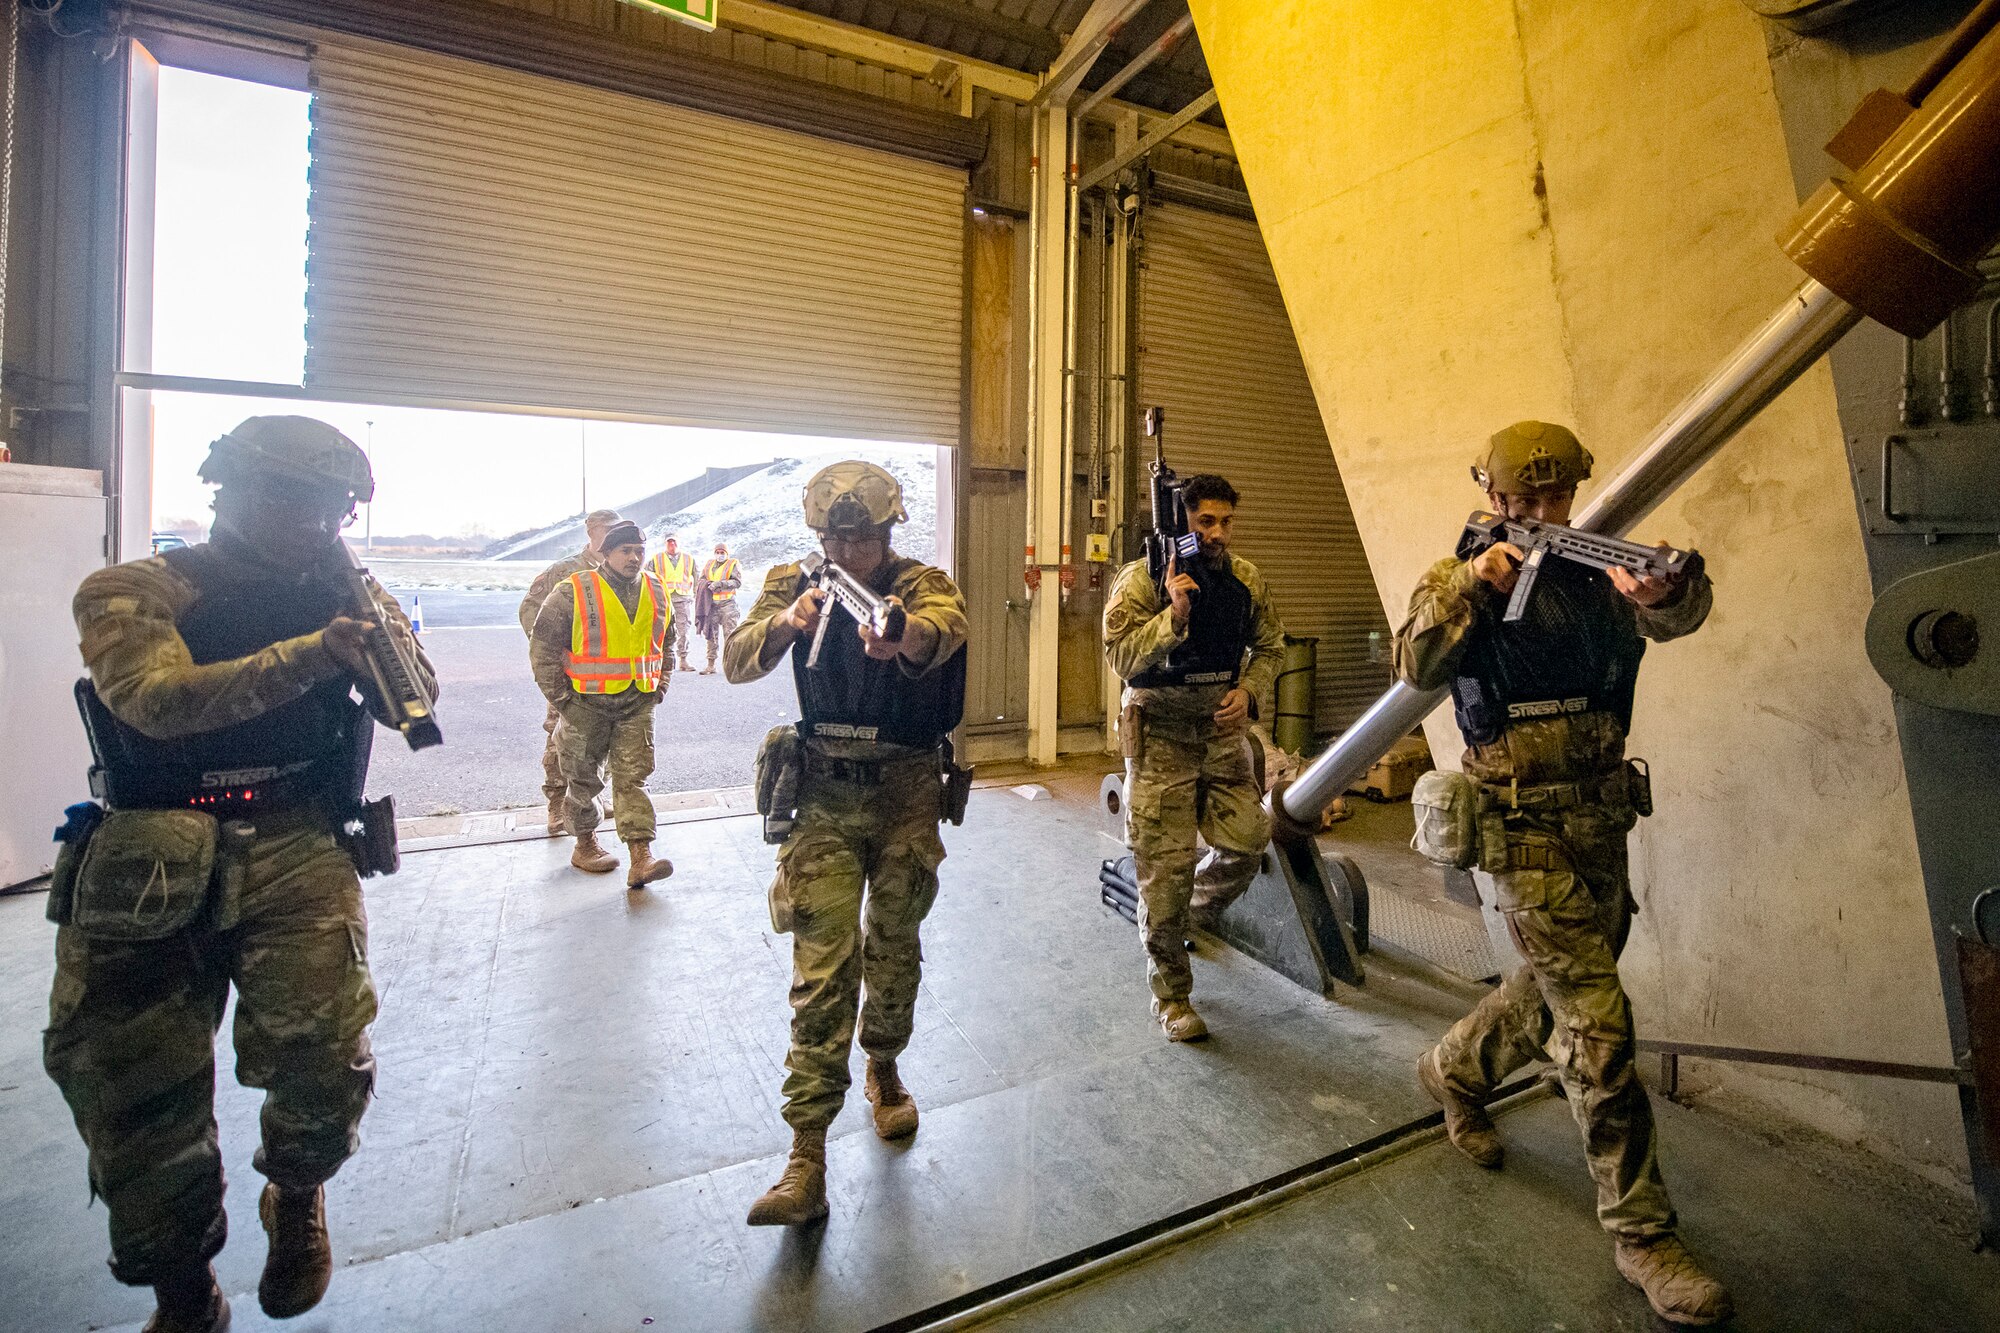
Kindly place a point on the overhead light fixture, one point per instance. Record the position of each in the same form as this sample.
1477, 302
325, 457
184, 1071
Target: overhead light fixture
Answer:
698, 13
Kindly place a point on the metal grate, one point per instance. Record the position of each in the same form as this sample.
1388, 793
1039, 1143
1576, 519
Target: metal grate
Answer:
1451, 942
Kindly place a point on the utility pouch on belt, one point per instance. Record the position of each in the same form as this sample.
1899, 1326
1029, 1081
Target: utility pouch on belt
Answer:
143, 874
368, 836
1639, 787
1446, 806
780, 765
1493, 842
1131, 731
79, 822
957, 784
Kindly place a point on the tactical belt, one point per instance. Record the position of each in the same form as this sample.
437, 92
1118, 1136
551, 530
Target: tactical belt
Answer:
1610, 790
864, 772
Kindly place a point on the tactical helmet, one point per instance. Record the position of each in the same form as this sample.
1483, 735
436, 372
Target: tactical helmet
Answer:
853, 494
1531, 456
297, 449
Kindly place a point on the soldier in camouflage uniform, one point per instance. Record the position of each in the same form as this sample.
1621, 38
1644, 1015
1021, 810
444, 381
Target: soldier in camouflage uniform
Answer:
1544, 703
858, 873
599, 655
234, 660
1190, 696
595, 525
721, 577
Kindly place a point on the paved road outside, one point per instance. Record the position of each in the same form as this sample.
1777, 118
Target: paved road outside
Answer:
707, 730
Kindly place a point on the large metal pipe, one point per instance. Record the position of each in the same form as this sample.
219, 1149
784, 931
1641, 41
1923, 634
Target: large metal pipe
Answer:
1811, 320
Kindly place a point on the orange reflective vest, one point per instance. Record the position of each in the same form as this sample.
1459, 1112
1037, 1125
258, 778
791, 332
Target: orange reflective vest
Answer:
610, 651
725, 568
675, 572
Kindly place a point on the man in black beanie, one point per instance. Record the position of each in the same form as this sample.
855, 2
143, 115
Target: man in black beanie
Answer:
599, 655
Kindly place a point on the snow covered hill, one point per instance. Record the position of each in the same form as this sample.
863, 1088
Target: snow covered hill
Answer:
760, 518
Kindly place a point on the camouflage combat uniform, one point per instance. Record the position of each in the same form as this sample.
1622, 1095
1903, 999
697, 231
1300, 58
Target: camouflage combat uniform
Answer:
1183, 774
131, 1035
1566, 894
553, 786
858, 874
599, 732
724, 615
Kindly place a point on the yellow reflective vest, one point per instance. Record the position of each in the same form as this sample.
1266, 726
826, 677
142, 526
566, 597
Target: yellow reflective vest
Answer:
725, 568
675, 572
609, 651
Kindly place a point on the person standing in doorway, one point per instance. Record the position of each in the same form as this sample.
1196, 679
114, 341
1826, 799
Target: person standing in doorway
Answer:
599, 653
857, 874
1195, 656
1544, 703
675, 571
720, 578
595, 525
228, 681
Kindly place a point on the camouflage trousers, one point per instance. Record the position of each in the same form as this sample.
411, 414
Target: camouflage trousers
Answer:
614, 733
131, 1043
1570, 922
856, 879
723, 617
683, 608
1174, 788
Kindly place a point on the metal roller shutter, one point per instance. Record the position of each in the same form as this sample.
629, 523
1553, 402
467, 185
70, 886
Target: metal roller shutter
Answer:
1217, 351
487, 236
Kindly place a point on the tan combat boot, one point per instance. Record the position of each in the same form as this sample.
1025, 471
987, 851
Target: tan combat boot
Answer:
685, 664
1675, 1286
1179, 1020
558, 817
1466, 1123
800, 1194
300, 1262
895, 1109
709, 670
589, 857
646, 868
189, 1303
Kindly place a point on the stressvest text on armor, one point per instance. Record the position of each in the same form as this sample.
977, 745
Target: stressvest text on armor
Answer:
851, 696
1218, 633
1574, 651
609, 651
315, 746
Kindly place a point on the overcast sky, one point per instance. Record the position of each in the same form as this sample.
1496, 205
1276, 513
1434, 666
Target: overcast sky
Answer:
229, 303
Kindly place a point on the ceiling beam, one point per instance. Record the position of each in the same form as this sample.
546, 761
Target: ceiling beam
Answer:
1043, 45
1099, 28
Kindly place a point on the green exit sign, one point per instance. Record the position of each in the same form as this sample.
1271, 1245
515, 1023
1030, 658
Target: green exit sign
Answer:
701, 13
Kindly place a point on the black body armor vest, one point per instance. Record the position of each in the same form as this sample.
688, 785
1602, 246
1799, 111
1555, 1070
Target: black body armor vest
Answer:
1218, 633
851, 696
316, 746
1574, 651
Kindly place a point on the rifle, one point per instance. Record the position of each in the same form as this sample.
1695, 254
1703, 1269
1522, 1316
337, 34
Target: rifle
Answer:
392, 668
883, 616
1539, 540
1171, 536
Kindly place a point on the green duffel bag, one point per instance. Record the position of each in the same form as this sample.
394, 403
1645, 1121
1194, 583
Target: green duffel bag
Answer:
1446, 806
144, 874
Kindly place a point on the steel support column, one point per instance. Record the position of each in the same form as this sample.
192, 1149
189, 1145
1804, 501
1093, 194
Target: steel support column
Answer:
1048, 216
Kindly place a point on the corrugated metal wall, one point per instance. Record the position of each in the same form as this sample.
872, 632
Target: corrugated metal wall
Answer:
487, 235
1217, 351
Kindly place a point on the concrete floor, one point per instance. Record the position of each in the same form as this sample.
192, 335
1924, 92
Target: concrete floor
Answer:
579, 1093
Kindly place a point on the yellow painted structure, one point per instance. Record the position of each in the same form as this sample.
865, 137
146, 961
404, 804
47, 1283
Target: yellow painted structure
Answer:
1492, 210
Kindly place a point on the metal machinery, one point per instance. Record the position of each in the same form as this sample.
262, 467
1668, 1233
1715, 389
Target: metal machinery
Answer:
1900, 240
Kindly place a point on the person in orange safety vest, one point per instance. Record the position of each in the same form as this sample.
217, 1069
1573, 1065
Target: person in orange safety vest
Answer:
720, 578
675, 570
600, 658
